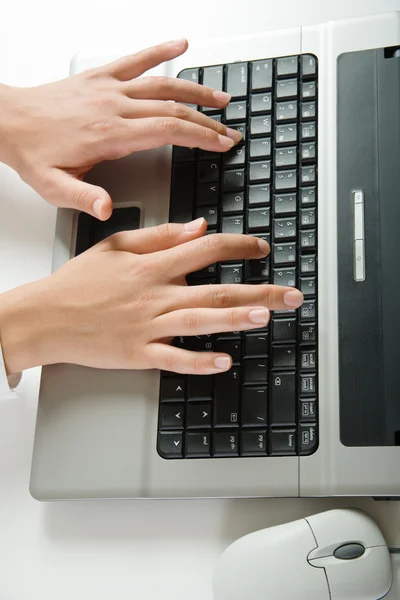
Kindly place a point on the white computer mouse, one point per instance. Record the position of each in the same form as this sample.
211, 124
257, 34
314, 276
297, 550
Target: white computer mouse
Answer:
336, 555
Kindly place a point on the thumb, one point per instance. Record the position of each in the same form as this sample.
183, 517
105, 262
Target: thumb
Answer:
65, 190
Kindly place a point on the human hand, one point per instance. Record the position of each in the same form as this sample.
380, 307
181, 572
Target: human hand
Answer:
119, 304
53, 134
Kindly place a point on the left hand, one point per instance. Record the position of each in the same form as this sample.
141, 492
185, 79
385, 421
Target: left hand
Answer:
53, 134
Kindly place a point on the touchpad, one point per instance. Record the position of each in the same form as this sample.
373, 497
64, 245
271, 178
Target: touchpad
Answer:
90, 231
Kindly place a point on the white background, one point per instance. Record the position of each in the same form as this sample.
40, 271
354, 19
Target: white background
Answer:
145, 549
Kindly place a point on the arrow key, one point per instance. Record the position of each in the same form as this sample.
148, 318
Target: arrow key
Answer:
198, 415
169, 445
172, 389
171, 416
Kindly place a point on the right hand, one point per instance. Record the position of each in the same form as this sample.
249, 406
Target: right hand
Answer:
119, 304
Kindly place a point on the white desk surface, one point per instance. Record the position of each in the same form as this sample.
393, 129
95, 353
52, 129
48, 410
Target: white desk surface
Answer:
146, 549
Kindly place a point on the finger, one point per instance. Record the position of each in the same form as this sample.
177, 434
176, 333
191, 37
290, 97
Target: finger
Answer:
180, 90
201, 321
274, 297
169, 358
65, 190
153, 239
135, 65
140, 109
197, 254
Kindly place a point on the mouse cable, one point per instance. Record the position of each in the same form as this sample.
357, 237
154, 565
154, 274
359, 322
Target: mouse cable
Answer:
394, 550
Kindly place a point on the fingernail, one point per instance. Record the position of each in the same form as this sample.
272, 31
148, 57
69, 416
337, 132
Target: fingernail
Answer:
225, 141
294, 298
259, 315
177, 43
264, 246
222, 97
194, 225
235, 135
97, 207
222, 362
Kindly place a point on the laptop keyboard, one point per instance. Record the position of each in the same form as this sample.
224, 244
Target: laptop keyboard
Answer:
266, 404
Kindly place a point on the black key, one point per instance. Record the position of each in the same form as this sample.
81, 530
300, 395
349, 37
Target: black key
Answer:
308, 90
260, 125
260, 170
308, 174
308, 310
260, 148
169, 445
203, 343
284, 253
289, 65
198, 445
254, 443
285, 204
231, 273
308, 239
182, 342
307, 333
231, 347
240, 127
232, 202
307, 410
264, 236
212, 77
283, 399
260, 103
172, 389
286, 111
284, 276
171, 416
207, 155
284, 330
285, 229
261, 75
207, 170
283, 357
207, 194
286, 88
308, 286
282, 442
308, 131
233, 180
308, 65
200, 387
227, 398
182, 192
308, 110
308, 439
217, 118
189, 75
236, 111
285, 134
257, 270
308, 359
209, 213
285, 180
235, 157
205, 273
255, 370
198, 415
308, 196
286, 157
308, 151
226, 443
258, 194
181, 153
236, 80
254, 406
308, 384
233, 224
258, 219
256, 343
308, 264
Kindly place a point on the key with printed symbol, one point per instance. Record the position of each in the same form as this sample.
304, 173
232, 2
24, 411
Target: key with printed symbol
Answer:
308, 439
285, 180
227, 398
171, 416
308, 359
257, 270
284, 276
231, 273
240, 127
198, 445
226, 443
284, 253
203, 343
308, 239
172, 389
198, 415
283, 357
236, 80
209, 271
255, 370
308, 131
261, 75
308, 264
285, 229
189, 75
285, 134
260, 125
308, 384
260, 103
288, 65
308, 286
286, 111
308, 175
256, 343
286, 157
236, 111
231, 347
307, 333
254, 443
254, 406
308, 310
308, 196
308, 65
212, 77
285, 204
283, 399
286, 88
307, 410
182, 342
284, 330
170, 445
308, 110
308, 151
308, 90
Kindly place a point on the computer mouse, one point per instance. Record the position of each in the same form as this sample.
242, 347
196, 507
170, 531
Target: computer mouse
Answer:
336, 555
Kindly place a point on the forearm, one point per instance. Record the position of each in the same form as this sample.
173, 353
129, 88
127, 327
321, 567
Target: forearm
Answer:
7, 121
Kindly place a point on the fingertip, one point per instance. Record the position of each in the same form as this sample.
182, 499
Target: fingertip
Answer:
196, 225
223, 362
102, 208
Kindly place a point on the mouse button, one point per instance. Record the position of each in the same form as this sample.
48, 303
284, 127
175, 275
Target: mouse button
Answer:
323, 551
349, 551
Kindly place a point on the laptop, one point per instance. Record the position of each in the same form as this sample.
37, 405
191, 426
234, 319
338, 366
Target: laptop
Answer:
311, 405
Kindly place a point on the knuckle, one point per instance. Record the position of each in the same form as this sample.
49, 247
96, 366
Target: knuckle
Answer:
167, 125
234, 319
105, 127
82, 198
223, 297
197, 365
171, 361
164, 230
190, 320
163, 83
179, 111
214, 242
148, 266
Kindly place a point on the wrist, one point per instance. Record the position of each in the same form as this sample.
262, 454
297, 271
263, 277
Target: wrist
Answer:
9, 109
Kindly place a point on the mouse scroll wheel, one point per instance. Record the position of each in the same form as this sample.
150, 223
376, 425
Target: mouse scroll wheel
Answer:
349, 551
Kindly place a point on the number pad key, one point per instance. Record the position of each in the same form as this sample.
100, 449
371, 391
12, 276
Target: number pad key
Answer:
254, 406
284, 330
256, 343
255, 370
